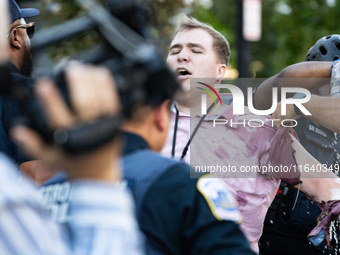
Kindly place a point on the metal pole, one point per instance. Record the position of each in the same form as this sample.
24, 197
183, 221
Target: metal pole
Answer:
243, 47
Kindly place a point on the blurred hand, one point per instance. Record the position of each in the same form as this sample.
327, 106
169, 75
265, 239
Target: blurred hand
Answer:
93, 95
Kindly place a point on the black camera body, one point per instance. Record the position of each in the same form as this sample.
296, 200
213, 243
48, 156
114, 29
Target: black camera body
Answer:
139, 71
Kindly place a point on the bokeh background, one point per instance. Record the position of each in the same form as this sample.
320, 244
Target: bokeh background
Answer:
289, 28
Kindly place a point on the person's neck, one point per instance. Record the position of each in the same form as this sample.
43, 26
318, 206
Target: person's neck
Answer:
144, 130
182, 108
15, 63
182, 103
185, 107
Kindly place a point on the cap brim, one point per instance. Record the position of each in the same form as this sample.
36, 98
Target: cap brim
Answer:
29, 12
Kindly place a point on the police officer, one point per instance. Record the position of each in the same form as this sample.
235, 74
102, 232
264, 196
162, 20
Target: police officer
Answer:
20, 66
292, 216
177, 214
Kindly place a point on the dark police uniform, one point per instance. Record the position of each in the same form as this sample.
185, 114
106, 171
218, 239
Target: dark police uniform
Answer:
292, 216
176, 212
178, 215
9, 109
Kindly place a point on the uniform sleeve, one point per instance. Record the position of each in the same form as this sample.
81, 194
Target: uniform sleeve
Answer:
177, 219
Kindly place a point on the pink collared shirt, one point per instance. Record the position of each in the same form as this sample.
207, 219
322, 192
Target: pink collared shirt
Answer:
237, 147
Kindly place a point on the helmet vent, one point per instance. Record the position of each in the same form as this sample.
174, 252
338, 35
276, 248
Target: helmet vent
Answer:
323, 50
327, 37
337, 44
336, 58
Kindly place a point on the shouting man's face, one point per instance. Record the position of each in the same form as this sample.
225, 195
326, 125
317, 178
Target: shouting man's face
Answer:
192, 55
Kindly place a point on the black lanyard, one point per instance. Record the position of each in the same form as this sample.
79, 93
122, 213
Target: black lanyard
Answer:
185, 150
175, 135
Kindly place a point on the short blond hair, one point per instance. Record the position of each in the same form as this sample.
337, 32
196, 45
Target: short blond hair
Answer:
220, 43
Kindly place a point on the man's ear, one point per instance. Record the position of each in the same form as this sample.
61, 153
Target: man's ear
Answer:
221, 69
14, 39
162, 116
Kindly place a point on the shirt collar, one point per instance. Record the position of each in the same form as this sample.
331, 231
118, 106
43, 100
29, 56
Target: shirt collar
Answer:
134, 143
174, 110
227, 104
12, 68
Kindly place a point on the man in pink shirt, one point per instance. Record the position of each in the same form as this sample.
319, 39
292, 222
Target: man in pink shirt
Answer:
197, 51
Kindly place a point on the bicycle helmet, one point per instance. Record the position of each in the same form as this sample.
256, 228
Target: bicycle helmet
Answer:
325, 49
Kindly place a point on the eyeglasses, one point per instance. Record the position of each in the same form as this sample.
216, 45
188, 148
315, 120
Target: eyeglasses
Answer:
29, 27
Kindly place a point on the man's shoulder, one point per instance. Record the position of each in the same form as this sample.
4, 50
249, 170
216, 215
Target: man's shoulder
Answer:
152, 157
217, 196
146, 167
19, 78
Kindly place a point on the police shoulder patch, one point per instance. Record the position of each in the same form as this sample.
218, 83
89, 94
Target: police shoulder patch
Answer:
220, 200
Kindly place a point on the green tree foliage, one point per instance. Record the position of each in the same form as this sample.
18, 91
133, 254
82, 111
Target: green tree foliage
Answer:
222, 16
297, 31
161, 14
289, 27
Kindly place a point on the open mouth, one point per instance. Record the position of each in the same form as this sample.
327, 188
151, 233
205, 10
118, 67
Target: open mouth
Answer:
182, 72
